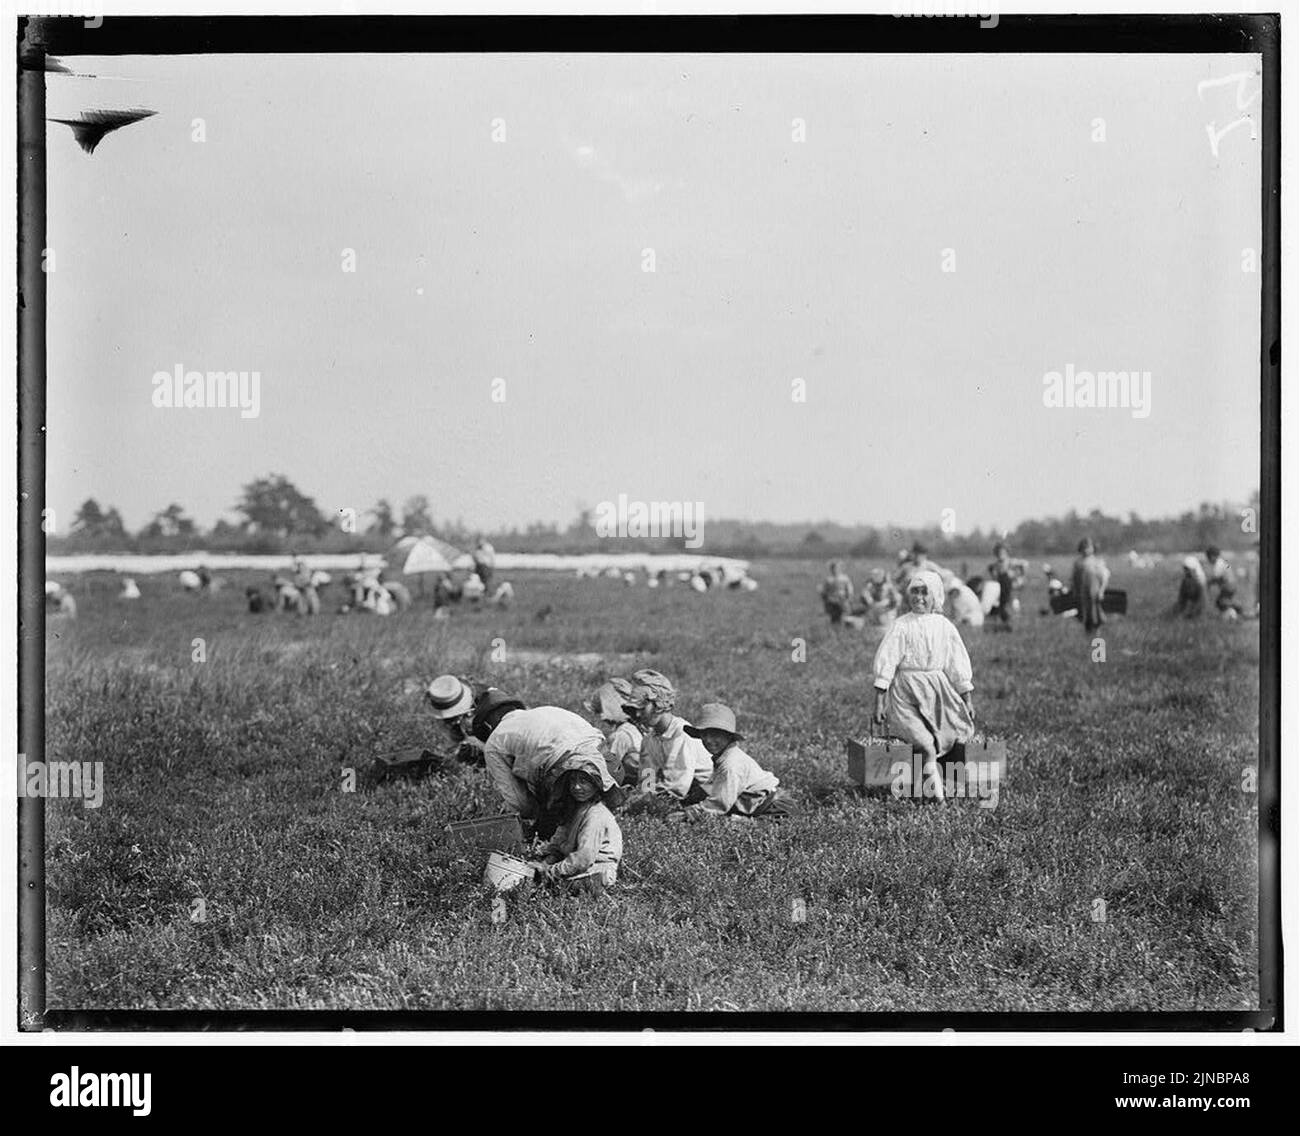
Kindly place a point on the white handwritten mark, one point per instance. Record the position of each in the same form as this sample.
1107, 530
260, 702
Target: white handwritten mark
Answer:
1242, 80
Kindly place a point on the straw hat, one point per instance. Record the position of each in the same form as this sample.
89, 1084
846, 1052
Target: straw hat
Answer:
449, 697
715, 716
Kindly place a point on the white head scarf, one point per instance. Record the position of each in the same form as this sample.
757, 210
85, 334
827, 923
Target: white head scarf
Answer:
933, 585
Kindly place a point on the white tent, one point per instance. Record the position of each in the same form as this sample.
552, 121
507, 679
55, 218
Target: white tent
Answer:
413, 555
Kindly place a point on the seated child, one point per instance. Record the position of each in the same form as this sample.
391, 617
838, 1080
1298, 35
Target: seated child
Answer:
880, 598
740, 786
588, 844
609, 706
673, 764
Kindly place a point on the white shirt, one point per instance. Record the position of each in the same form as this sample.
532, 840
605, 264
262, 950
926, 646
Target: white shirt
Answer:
739, 783
590, 844
678, 758
625, 739
927, 642
527, 744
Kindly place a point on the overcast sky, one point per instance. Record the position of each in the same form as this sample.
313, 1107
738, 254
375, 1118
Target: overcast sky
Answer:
774, 260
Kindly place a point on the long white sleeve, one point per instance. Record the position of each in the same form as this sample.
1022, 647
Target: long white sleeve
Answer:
957, 666
513, 792
889, 654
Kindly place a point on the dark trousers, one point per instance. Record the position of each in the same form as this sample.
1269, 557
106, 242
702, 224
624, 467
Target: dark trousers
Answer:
695, 794
1003, 610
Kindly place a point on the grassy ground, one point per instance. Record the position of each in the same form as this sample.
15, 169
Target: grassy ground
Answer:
223, 784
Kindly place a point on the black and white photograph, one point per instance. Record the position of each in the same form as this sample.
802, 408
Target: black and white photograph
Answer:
723, 521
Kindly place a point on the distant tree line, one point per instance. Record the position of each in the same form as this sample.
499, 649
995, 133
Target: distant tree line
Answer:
275, 516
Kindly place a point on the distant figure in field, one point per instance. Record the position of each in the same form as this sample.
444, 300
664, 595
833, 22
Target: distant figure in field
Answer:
1222, 579
400, 595
257, 602
129, 590
610, 707
59, 601
989, 592
837, 593
923, 679
304, 580
190, 581
1055, 585
902, 573
963, 605
287, 596
1055, 589
732, 576
880, 599
1008, 574
473, 589
485, 562
921, 562
445, 592
1191, 589
1090, 579
504, 596
914, 561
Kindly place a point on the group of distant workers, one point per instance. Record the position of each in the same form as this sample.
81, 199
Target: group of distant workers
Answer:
367, 590
971, 601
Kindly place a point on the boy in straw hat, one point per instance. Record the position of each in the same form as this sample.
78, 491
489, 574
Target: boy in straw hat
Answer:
451, 702
739, 787
610, 706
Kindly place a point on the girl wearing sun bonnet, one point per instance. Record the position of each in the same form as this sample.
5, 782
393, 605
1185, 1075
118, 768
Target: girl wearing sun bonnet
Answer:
923, 679
609, 706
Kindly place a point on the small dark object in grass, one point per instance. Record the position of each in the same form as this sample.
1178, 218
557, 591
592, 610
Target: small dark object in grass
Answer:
412, 764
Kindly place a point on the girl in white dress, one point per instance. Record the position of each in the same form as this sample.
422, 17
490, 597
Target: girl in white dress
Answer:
923, 679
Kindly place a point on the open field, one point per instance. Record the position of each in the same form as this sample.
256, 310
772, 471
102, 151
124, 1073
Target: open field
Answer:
223, 783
